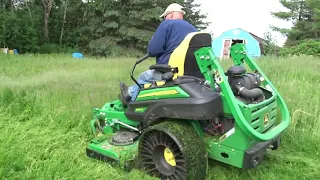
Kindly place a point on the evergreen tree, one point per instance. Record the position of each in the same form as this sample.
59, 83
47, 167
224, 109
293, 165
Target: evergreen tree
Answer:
194, 15
315, 6
127, 24
98, 27
303, 14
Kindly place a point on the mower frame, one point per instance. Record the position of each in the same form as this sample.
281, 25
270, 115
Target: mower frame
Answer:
244, 145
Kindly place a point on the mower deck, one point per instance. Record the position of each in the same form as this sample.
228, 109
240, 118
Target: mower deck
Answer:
117, 154
103, 149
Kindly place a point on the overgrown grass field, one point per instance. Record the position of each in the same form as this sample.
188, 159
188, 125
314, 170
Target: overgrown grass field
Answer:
45, 109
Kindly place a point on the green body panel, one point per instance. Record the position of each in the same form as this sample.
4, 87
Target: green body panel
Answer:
116, 112
162, 93
235, 156
251, 125
108, 113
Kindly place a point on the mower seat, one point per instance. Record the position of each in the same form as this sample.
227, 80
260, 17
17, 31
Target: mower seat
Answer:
182, 61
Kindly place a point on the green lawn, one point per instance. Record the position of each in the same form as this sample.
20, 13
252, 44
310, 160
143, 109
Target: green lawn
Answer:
45, 109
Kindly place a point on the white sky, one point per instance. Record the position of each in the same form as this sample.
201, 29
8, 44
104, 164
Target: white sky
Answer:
229, 14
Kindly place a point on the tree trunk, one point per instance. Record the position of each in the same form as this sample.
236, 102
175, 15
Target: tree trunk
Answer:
64, 20
30, 14
12, 6
46, 29
47, 5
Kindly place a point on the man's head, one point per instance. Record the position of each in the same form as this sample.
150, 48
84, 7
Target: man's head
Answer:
173, 11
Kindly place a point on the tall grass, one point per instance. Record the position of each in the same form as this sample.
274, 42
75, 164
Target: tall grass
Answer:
46, 102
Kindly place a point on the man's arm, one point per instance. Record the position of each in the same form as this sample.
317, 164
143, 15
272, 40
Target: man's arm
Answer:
157, 43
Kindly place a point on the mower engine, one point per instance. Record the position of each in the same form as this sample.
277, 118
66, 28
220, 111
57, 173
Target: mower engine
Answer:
245, 86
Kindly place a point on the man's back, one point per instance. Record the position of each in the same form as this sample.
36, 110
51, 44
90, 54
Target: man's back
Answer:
167, 38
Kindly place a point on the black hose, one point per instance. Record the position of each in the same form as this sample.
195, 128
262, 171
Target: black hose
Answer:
254, 93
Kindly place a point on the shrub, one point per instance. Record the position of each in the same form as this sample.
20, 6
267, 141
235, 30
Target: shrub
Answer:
307, 47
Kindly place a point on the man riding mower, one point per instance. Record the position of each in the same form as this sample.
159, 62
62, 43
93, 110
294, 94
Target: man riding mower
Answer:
162, 131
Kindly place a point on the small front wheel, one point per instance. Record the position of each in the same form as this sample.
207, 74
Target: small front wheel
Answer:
173, 150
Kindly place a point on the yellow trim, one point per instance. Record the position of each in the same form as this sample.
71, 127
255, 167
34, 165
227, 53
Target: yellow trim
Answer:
160, 93
178, 56
266, 119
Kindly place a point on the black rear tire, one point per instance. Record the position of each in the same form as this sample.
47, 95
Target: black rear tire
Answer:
173, 150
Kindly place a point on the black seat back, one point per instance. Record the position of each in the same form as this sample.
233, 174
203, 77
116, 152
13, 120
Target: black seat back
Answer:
198, 41
183, 56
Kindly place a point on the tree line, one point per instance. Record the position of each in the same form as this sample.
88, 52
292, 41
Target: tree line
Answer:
98, 27
304, 36
124, 27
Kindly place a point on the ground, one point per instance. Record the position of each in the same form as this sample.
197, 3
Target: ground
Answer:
46, 102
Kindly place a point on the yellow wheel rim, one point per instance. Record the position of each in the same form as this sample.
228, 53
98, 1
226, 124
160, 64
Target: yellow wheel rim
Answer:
168, 155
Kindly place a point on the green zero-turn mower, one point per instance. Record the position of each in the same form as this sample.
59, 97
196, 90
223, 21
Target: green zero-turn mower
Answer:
198, 112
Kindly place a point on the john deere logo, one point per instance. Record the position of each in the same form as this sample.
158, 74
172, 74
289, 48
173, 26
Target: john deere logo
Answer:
266, 120
140, 109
